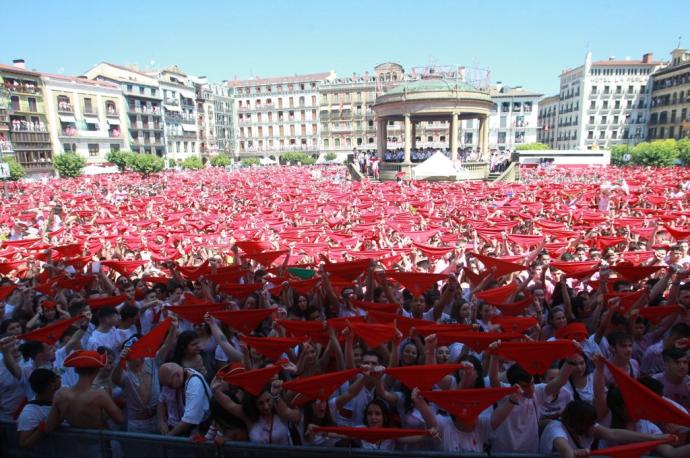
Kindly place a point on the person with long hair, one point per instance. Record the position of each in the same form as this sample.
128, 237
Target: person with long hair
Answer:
188, 354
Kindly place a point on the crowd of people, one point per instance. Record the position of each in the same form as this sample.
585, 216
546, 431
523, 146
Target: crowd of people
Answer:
280, 306
422, 154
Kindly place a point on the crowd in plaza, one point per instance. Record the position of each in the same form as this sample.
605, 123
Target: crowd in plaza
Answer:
283, 306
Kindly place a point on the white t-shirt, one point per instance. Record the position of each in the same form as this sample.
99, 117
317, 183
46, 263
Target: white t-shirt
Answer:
196, 398
519, 433
556, 429
454, 440
32, 415
111, 340
352, 413
585, 393
428, 315
11, 393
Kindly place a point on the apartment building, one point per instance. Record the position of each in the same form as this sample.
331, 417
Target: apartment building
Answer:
670, 99
217, 123
514, 121
25, 119
85, 117
604, 103
181, 131
547, 119
143, 102
278, 114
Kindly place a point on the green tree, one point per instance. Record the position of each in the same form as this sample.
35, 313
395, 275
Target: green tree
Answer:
221, 160
532, 147
146, 164
330, 156
660, 153
297, 156
192, 163
69, 165
121, 159
618, 153
248, 162
684, 150
17, 172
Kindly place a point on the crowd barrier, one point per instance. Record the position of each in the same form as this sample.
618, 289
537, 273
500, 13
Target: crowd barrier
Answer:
81, 443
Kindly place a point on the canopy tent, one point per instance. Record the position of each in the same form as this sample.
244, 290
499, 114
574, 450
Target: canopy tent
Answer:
438, 165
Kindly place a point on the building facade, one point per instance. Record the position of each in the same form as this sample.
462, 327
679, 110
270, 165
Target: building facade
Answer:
605, 103
143, 102
514, 120
217, 122
669, 115
85, 117
26, 118
548, 120
278, 114
179, 115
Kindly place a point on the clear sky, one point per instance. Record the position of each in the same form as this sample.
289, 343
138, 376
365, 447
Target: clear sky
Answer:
522, 42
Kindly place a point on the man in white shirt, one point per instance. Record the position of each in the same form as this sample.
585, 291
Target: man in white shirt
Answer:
105, 334
196, 393
44, 383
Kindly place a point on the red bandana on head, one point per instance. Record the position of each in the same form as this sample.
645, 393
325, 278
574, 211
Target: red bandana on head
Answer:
253, 381
320, 386
634, 450
466, 404
86, 359
642, 403
369, 434
415, 282
537, 357
51, 333
271, 347
151, 342
244, 321
502, 267
374, 334
423, 377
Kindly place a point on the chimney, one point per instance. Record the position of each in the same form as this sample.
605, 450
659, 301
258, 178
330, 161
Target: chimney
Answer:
647, 58
19, 63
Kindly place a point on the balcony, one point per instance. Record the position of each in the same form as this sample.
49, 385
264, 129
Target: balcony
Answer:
144, 110
25, 126
24, 107
65, 108
112, 113
5, 146
22, 88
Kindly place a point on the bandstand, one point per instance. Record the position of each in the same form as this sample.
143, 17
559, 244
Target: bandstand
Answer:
432, 99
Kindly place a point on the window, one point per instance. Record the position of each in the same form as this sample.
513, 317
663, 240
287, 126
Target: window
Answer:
594, 89
442, 138
590, 134
114, 147
505, 107
607, 89
325, 143
88, 107
602, 134
69, 147
614, 134
185, 146
337, 142
32, 104
520, 136
504, 122
592, 105
604, 119
617, 105
501, 137
93, 150
619, 89
605, 106
468, 137
631, 89
615, 119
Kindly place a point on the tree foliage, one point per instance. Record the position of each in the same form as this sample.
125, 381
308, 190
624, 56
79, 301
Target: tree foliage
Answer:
248, 162
17, 172
221, 160
193, 163
532, 147
330, 156
618, 153
122, 159
684, 150
146, 164
69, 165
660, 153
297, 157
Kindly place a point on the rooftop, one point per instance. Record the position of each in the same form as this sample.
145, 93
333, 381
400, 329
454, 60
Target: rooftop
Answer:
15, 69
310, 77
78, 80
513, 92
431, 85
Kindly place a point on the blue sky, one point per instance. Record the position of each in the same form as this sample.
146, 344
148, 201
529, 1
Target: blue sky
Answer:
523, 42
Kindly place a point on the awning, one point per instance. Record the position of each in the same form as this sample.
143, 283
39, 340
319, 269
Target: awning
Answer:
171, 107
91, 119
114, 122
189, 127
67, 118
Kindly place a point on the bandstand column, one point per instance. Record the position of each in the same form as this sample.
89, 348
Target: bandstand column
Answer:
414, 135
407, 142
453, 135
381, 145
484, 137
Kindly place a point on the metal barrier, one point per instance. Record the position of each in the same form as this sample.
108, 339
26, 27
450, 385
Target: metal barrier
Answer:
84, 443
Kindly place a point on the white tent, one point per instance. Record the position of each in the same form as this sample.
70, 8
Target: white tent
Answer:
438, 165
95, 169
267, 161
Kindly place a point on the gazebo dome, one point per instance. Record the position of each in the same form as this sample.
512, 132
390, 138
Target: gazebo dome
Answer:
432, 85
